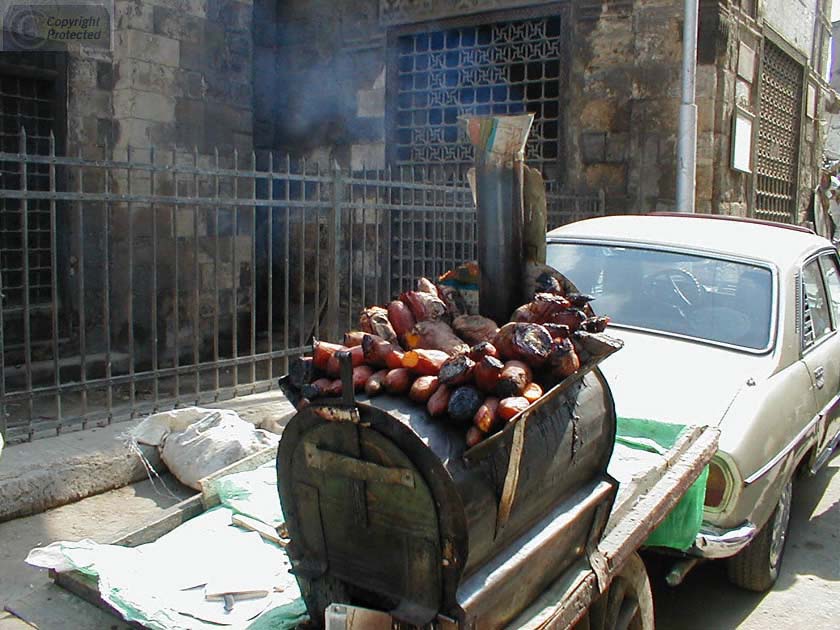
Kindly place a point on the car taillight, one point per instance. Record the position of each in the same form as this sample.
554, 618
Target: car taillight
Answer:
715, 486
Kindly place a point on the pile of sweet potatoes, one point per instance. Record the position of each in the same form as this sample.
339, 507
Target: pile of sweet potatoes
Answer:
464, 368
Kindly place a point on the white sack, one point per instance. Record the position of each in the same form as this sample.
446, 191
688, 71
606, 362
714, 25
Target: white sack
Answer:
216, 440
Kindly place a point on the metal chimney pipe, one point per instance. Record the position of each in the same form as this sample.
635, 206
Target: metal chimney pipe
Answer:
500, 206
498, 187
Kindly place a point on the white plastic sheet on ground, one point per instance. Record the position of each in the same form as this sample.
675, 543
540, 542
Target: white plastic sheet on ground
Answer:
195, 442
162, 584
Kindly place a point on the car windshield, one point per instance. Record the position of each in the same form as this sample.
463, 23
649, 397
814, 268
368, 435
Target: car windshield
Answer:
712, 299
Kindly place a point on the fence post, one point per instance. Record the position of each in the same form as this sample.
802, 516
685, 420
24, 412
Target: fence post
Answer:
2, 369
333, 243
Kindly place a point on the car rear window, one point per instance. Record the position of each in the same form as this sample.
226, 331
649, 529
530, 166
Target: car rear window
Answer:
711, 299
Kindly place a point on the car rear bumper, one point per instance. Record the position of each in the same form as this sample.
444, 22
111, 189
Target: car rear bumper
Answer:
713, 542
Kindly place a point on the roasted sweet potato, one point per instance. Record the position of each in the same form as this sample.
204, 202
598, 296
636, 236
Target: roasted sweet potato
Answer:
487, 373
374, 320
375, 383
423, 388
439, 402
424, 306
487, 417
354, 338
424, 285
452, 298
400, 317
557, 331
457, 370
474, 328
435, 335
335, 388
375, 350
483, 349
579, 300
361, 375
564, 359
398, 381
464, 403
595, 324
475, 436
533, 392
514, 379
424, 362
509, 407
322, 351
572, 318
357, 358
530, 343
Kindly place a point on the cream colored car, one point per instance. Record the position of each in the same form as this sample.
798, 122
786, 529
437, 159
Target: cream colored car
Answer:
726, 322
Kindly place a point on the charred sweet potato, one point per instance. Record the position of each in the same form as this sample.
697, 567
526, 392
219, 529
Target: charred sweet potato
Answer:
514, 379
483, 349
354, 338
423, 388
564, 359
452, 298
464, 403
457, 370
487, 373
530, 343
316, 388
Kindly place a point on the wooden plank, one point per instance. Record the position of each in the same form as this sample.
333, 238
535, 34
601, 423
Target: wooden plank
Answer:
565, 602
50, 607
210, 497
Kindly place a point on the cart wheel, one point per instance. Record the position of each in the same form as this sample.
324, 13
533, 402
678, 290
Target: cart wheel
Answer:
627, 604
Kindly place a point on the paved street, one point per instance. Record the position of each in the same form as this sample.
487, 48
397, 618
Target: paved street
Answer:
807, 594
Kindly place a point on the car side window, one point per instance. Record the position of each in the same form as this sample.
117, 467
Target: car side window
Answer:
816, 321
832, 283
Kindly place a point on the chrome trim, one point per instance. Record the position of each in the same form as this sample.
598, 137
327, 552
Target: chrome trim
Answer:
690, 251
713, 542
785, 451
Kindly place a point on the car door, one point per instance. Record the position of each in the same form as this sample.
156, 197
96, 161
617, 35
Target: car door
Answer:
821, 342
830, 267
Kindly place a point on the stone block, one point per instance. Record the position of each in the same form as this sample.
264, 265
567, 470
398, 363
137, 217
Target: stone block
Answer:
104, 75
593, 146
149, 47
236, 16
192, 56
132, 131
177, 25
370, 103
134, 14
146, 105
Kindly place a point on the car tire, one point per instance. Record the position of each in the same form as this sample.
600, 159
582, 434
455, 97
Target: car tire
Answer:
756, 568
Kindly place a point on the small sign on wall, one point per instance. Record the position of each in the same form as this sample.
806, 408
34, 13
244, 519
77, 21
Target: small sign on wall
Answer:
811, 103
742, 133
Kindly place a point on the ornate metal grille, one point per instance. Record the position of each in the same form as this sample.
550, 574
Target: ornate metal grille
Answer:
500, 68
777, 153
25, 103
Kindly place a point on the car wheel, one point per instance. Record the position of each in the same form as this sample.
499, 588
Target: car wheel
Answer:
757, 567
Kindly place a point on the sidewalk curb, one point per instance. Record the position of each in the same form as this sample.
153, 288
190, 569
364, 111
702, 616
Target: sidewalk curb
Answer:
46, 473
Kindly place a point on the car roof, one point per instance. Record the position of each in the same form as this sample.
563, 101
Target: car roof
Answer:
783, 245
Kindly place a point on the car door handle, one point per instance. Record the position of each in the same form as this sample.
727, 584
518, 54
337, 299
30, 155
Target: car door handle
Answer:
819, 377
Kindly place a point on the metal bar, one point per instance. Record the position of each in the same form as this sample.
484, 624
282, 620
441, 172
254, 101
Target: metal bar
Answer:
176, 341
333, 236
253, 268
130, 297
162, 199
155, 340
687, 124
216, 262
235, 285
270, 258
53, 291
106, 291
286, 263
302, 274
196, 284
364, 247
351, 228
27, 333
318, 193
3, 425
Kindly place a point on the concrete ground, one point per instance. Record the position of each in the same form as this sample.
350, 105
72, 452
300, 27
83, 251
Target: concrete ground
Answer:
807, 593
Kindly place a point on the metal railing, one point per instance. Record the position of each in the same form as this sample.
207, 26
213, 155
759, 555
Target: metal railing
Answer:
180, 278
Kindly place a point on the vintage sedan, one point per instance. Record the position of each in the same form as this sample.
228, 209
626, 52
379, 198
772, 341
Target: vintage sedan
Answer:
726, 322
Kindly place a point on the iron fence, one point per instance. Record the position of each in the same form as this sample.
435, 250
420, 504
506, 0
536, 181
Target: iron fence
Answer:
184, 278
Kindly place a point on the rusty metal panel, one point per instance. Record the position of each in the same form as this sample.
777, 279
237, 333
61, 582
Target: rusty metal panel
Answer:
779, 121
